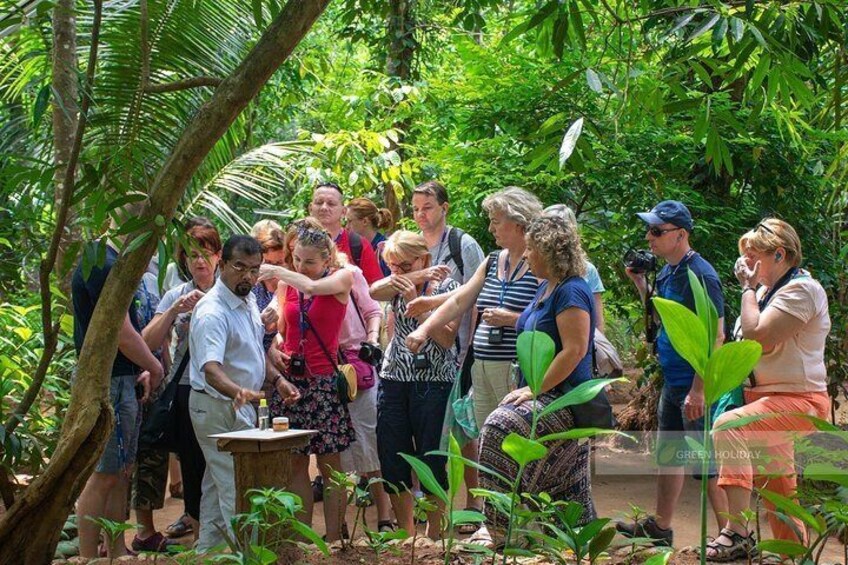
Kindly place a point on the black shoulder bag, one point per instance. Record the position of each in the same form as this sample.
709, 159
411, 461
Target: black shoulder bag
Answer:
159, 425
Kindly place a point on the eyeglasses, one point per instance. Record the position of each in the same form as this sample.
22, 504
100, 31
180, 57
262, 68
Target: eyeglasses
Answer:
241, 268
659, 232
765, 228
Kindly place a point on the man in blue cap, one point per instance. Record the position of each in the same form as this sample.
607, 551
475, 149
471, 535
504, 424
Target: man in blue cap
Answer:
681, 405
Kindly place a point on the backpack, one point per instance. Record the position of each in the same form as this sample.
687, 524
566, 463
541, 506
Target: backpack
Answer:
355, 247
455, 249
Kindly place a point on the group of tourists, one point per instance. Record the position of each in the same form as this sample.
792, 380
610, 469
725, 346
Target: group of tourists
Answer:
426, 324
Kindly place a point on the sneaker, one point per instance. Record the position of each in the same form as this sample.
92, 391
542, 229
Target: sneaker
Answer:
318, 489
646, 528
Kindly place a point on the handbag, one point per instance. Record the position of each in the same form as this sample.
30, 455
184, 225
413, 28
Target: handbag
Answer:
345, 373
468, 361
607, 362
365, 379
159, 425
594, 413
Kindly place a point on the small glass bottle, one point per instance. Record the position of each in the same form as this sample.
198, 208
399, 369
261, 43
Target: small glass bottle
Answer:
264, 417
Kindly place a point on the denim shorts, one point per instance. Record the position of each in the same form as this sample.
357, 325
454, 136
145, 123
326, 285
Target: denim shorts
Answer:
410, 419
123, 442
672, 450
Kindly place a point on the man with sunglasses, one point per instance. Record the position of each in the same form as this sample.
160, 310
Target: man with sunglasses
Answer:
226, 372
681, 406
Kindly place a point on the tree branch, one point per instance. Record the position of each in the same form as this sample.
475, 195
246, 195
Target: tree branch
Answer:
185, 84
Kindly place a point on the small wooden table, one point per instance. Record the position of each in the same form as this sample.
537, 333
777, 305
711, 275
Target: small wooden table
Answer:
262, 459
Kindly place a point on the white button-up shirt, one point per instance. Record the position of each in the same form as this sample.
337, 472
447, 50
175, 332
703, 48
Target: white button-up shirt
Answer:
226, 328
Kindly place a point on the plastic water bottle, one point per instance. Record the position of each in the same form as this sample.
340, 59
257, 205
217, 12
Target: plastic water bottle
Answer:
264, 418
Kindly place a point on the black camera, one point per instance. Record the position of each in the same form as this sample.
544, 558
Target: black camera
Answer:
420, 361
496, 336
640, 261
297, 365
370, 353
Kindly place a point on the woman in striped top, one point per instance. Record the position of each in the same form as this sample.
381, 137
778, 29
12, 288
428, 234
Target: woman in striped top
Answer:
502, 287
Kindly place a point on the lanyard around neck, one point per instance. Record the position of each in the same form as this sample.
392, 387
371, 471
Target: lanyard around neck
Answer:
508, 279
438, 258
784, 280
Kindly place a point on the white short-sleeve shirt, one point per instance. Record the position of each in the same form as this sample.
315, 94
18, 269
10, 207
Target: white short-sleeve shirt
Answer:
226, 328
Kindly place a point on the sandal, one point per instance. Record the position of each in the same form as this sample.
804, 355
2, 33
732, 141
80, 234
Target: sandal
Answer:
470, 528
384, 526
739, 548
157, 543
480, 539
179, 528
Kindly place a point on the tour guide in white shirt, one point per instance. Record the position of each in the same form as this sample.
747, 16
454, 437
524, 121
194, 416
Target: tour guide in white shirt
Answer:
226, 373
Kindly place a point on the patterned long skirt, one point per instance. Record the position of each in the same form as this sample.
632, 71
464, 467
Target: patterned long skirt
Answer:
563, 473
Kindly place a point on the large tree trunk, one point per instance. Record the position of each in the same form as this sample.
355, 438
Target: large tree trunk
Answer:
65, 119
400, 30
29, 531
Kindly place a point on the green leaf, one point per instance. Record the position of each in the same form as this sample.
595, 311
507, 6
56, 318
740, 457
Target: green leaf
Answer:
729, 366
467, 517
40, 106
705, 27
535, 352
826, 472
455, 467
310, 534
685, 331
580, 394
659, 558
258, 17
793, 509
523, 450
425, 475
590, 530
600, 543
703, 309
577, 23
783, 547
580, 433
594, 80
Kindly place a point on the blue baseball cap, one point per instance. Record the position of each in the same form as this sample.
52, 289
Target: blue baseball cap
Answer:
668, 212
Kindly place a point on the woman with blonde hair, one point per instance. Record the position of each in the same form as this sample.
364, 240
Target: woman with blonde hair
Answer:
269, 234
368, 221
316, 299
785, 309
414, 387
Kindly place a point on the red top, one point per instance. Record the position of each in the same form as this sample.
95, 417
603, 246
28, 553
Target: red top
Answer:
367, 261
325, 315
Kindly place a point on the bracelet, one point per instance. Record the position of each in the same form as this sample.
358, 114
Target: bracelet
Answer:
747, 288
276, 380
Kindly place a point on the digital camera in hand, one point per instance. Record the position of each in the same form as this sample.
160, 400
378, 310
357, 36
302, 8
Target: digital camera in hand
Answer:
640, 261
371, 354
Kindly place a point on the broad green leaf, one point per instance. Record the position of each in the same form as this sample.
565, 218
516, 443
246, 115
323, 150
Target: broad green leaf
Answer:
685, 331
594, 80
40, 106
425, 475
535, 351
580, 433
783, 547
705, 27
791, 508
475, 464
590, 530
600, 543
310, 534
580, 394
523, 450
729, 366
517, 552
826, 472
659, 558
467, 517
702, 307
577, 23
455, 467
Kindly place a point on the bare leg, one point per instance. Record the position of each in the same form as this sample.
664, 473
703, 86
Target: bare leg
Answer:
402, 504
145, 522
381, 499
718, 501
669, 486
92, 504
434, 518
301, 486
175, 476
333, 498
116, 510
469, 451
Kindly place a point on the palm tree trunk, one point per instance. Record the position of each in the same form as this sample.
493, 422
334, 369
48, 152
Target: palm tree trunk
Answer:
29, 531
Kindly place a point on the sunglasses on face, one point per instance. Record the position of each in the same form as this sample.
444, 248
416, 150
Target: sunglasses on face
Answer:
659, 232
311, 236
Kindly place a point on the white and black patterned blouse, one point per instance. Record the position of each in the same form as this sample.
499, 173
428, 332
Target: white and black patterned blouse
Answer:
398, 361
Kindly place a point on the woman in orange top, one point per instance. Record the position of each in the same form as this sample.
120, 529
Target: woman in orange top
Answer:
788, 315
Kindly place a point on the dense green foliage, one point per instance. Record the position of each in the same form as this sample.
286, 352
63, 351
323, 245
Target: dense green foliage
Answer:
736, 108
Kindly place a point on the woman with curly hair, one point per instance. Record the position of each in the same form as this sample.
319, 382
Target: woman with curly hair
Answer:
563, 308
